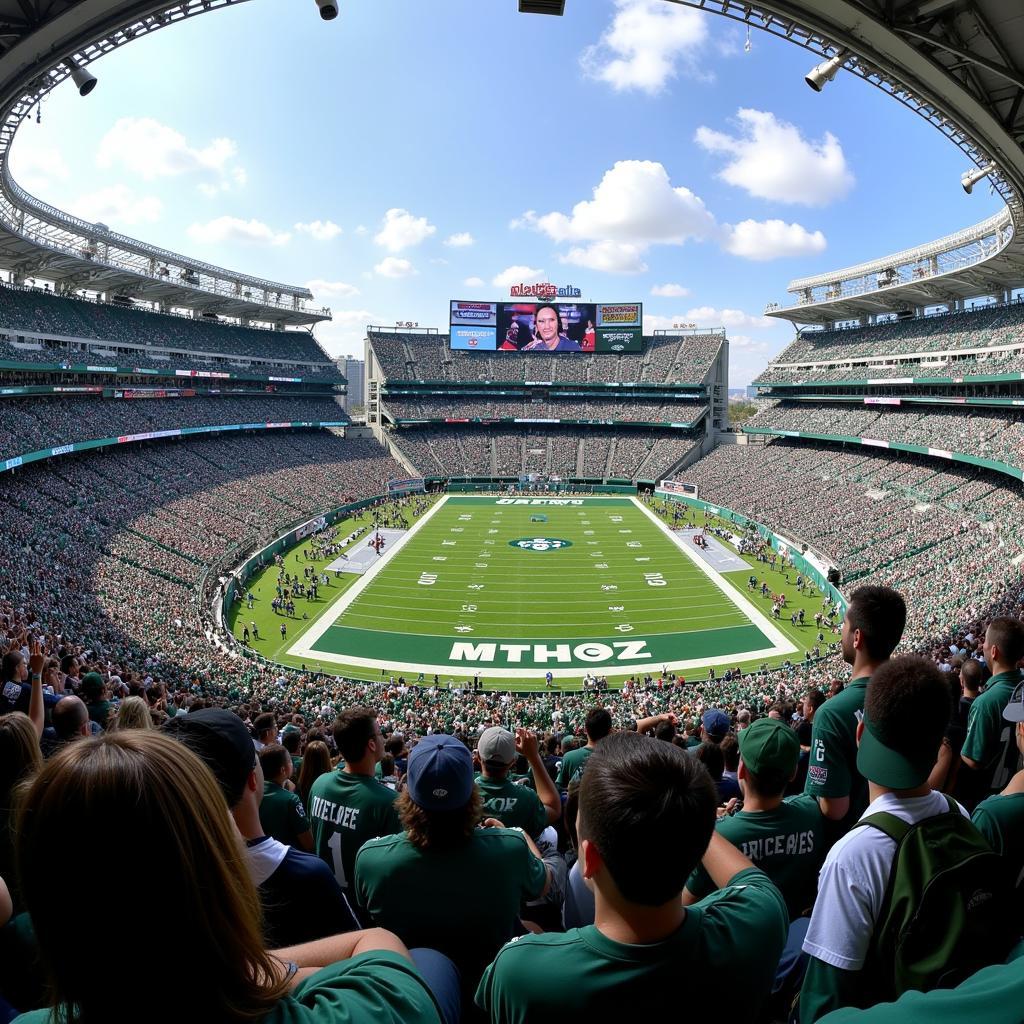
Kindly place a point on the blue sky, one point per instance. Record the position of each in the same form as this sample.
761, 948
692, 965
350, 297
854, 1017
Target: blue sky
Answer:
410, 152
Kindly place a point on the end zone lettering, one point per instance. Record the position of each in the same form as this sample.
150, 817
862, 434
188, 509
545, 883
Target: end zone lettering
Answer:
542, 654
539, 501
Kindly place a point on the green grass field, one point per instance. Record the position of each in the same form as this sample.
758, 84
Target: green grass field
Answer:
515, 588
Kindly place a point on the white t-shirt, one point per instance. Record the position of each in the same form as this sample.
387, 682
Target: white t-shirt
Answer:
853, 879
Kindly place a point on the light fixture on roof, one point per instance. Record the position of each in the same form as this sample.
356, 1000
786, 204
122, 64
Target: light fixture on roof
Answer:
971, 178
328, 9
817, 78
84, 81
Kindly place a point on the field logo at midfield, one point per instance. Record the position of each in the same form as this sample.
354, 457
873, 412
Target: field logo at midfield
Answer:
540, 543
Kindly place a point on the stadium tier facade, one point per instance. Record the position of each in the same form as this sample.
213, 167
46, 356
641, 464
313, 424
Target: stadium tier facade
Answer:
568, 417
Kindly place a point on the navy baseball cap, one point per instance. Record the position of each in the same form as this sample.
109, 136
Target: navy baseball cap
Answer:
220, 738
716, 723
440, 773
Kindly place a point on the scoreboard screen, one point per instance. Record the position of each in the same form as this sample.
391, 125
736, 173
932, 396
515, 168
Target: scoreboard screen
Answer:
564, 327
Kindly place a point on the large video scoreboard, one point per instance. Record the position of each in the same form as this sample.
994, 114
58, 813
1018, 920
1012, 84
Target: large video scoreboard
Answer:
540, 326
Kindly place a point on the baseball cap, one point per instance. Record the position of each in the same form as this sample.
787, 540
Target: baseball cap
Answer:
716, 723
882, 764
440, 773
1014, 711
497, 746
221, 739
91, 684
769, 745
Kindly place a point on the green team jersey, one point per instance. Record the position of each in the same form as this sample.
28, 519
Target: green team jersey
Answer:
514, 806
994, 995
1000, 819
380, 986
572, 766
346, 810
990, 738
832, 764
736, 932
462, 901
787, 844
282, 814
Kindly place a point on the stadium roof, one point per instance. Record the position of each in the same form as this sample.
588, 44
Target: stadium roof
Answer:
957, 63
42, 43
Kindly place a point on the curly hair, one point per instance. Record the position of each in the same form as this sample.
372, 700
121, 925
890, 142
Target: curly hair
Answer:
437, 830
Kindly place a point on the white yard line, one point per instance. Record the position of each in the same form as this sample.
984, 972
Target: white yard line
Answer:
330, 615
782, 643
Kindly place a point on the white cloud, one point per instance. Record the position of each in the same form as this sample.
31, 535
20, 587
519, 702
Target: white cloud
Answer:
361, 229
319, 230
344, 335
394, 266
460, 240
670, 291
772, 240
150, 150
608, 257
234, 229
117, 206
517, 275
634, 203
710, 316
36, 165
331, 289
647, 43
634, 206
474, 282
747, 344
402, 230
770, 159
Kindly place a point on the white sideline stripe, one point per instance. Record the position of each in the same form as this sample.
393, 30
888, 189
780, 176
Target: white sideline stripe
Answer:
330, 615
782, 644
612, 670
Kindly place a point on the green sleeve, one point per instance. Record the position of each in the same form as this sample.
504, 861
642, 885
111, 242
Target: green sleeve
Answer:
699, 883
563, 773
977, 727
828, 773
535, 873
301, 822
539, 818
378, 986
827, 988
988, 826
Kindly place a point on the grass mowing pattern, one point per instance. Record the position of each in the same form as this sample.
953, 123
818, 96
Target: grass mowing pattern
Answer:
547, 591
483, 585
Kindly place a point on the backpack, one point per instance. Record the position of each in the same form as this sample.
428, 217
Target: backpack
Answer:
946, 909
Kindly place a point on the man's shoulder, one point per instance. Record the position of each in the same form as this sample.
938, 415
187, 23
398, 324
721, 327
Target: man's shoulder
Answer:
381, 845
545, 944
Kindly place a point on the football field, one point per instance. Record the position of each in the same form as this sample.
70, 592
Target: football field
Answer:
513, 588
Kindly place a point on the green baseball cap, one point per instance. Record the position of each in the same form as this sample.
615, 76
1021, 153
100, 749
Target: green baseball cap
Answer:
880, 763
769, 745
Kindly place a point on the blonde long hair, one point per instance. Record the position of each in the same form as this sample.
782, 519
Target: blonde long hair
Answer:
138, 804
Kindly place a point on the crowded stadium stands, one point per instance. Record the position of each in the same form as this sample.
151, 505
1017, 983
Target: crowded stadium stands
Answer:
32, 424
42, 327
667, 359
594, 454
996, 434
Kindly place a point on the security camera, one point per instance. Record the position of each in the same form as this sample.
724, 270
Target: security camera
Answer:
328, 9
971, 178
82, 79
820, 76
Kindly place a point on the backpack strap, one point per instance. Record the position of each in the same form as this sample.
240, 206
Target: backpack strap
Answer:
895, 828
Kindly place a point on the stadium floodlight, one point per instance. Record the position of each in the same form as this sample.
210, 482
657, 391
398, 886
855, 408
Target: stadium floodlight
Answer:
817, 78
971, 178
328, 9
84, 81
